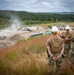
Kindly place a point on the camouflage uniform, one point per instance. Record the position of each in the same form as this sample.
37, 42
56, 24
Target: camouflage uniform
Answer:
55, 47
67, 43
72, 51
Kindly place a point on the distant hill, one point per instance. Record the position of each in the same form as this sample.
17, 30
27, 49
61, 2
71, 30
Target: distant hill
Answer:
35, 18
24, 15
71, 13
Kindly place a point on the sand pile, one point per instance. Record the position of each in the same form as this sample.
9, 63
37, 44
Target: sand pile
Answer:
15, 38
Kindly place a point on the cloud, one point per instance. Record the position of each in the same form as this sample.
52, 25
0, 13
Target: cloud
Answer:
68, 5
38, 5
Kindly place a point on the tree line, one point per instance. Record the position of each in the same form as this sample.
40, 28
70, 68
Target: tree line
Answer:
33, 18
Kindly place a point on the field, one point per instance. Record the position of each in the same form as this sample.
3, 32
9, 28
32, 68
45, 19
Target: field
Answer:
29, 58
58, 23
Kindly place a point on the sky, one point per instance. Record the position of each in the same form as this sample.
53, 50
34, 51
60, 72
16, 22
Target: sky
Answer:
38, 5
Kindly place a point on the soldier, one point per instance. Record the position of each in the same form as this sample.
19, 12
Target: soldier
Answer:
67, 42
55, 48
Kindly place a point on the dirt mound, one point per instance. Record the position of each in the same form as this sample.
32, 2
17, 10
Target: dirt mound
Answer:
16, 38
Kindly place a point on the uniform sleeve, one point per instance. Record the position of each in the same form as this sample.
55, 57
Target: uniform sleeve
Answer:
48, 42
62, 35
62, 41
70, 36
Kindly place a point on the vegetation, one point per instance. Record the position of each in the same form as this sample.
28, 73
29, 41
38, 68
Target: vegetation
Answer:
20, 41
28, 58
28, 18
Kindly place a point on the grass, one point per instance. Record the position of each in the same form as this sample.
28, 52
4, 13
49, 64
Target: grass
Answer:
29, 66
20, 41
12, 55
58, 23
26, 58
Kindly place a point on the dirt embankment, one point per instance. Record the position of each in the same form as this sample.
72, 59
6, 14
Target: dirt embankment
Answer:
15, 38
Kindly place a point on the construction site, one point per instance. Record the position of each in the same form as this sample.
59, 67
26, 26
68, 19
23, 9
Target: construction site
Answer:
11, 35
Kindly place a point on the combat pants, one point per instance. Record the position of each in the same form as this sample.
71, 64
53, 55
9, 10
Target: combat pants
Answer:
72, 57
67, 49
51, 61
72, 53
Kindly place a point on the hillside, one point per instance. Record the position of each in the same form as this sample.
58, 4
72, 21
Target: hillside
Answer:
29, 58
29, 18
37, 16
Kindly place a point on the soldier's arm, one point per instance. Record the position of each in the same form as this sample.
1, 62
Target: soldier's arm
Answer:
48, 44
49, 51
62, 51
70, 37
62, 35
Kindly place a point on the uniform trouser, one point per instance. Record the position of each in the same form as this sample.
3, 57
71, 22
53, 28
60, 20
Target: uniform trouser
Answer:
72, 57
67, 49
51, 61
72, 53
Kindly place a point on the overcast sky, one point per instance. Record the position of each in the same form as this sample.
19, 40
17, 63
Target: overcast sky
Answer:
38, 5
